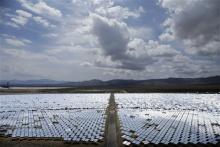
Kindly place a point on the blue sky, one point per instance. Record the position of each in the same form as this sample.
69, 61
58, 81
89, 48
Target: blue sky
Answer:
106, 39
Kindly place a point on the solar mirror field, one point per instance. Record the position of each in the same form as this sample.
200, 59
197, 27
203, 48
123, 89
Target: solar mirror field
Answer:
144, 119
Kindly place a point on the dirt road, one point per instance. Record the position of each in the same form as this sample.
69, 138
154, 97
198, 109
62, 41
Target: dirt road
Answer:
111, 132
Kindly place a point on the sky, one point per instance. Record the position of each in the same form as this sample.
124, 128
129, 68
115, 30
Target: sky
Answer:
76, 40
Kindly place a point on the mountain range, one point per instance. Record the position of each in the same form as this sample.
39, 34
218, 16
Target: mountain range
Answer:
214, 80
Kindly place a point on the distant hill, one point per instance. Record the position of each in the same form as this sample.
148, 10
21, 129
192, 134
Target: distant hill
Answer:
41, 82
215, 80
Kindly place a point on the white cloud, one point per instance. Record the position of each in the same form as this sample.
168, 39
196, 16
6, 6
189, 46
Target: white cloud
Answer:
86, 64
119, 12
21, 18
139, 47
40, 8
196, 23
160, 50
26, 41
42, 21
50, 35
106, 37
124, 52
11, 24
144, 33
23, 13
17, 42
175, 5
166, 37
14, 42
106, 62
211, 48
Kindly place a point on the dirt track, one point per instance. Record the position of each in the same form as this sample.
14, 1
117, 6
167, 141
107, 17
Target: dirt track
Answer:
111, 133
